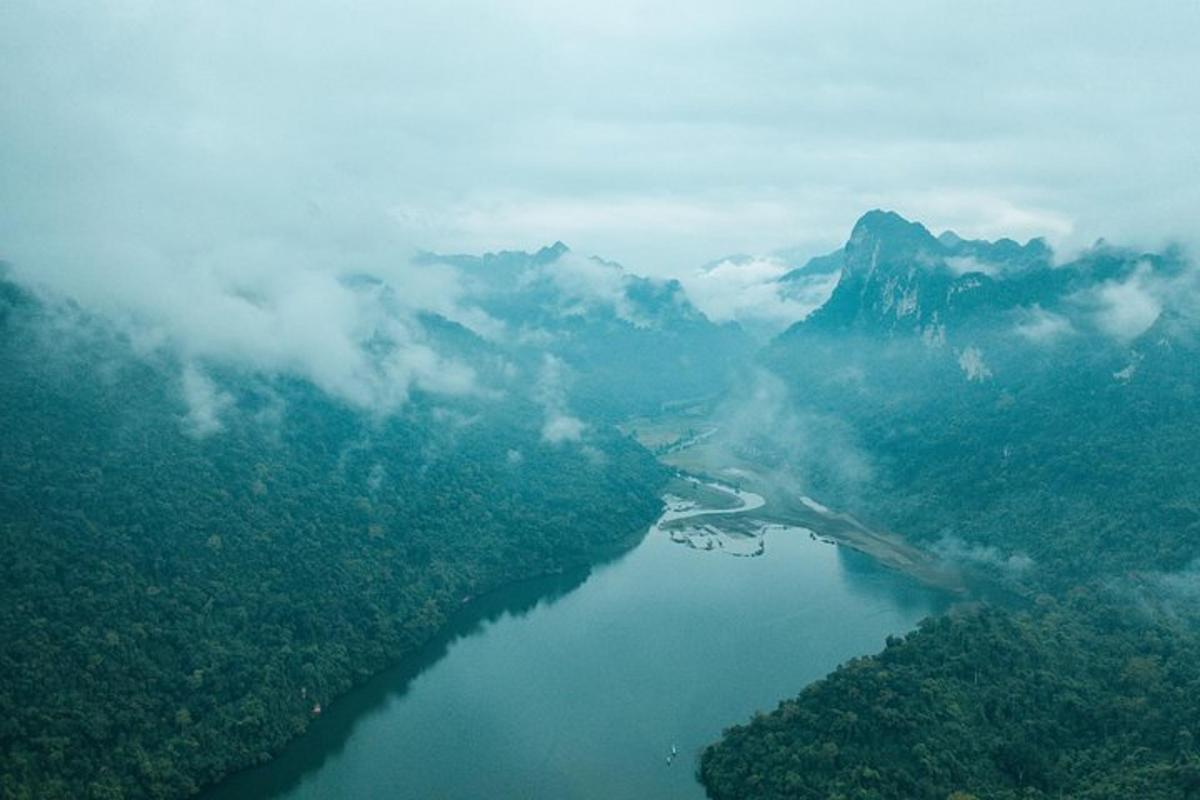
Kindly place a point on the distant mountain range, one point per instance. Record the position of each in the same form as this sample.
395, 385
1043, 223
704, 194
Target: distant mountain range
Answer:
993, 388
199, 549
897, 278
629, 343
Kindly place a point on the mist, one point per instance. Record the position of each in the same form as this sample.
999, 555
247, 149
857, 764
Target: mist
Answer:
140, 137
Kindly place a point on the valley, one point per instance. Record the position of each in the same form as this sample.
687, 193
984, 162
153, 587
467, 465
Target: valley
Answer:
326, 588
786, 504
577, 687
599, 401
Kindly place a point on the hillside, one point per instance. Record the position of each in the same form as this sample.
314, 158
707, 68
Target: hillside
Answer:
176, 599
630, 344
999, 411
1087, 700
1033, 422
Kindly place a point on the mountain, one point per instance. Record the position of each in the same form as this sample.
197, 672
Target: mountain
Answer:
1017, 409
629, 344
183, 585
1087, 698
1035, 424
899, 280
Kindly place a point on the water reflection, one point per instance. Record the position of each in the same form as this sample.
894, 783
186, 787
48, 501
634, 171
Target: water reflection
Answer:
578, 686
876, 585
327, 736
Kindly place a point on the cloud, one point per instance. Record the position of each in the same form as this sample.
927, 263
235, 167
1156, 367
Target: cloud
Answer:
587, 282
976, 213
1125, 309
257, 310
952, 548
1040, 326
129, 129
206, 403
961, 265
561, 428
748, 290
550, 391
972, 364
764, 423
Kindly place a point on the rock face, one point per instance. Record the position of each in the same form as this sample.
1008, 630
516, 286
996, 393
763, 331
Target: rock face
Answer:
899, 280
607, 326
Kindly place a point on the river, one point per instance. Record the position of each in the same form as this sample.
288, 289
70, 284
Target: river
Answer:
578, 686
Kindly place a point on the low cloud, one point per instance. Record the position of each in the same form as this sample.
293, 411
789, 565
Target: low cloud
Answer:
585, 283
952, 548
748, 290
962, 265
1125, 309
561, 428
764, 424
970, 360
361, 341
550, 391
1041, 326
205, 402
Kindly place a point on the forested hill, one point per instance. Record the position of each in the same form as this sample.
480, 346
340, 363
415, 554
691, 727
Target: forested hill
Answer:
1022, 412
172, 605
1037, 422
1081, 699
632, 344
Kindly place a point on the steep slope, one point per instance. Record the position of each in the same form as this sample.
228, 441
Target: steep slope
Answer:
629, 344
999, 410
1086, 700
1036, 422
173, 602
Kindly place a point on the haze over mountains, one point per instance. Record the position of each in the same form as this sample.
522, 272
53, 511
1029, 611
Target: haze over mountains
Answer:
318, 321
214, 526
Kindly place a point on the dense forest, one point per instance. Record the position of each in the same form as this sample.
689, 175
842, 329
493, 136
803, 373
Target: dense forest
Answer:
1069, 452
1059, 464
1081, 698
1054, 464
633, 344
181, 593
173, 607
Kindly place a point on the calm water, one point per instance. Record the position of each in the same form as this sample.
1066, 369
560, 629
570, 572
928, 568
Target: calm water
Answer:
577, 687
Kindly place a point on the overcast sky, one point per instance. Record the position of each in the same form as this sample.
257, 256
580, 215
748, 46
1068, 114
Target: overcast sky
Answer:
142, 136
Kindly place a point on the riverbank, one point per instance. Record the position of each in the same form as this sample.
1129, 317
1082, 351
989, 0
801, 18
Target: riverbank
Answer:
455, 612
642, 653
772, 506
707, 460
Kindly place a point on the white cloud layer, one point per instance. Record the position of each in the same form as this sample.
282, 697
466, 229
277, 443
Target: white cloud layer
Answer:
748, 290
205, 402
1125, 309
1041, 326
134, 131
551, 392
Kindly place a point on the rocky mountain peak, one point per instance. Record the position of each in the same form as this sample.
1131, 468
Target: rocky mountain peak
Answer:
884, 240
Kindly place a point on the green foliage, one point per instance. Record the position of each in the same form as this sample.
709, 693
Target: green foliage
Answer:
1084, 700
631, 345
172, 608
1052, 458
1067, 462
